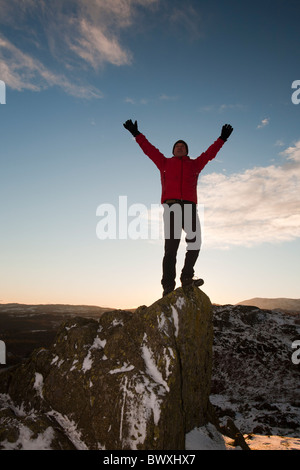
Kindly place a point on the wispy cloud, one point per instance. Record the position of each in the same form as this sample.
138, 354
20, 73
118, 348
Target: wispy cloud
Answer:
263, 123
165, 97
186, 19
141, 101
20, 71
74, 35
292, 153
129, 100
93, 45
258, 205
222, 108
226, 107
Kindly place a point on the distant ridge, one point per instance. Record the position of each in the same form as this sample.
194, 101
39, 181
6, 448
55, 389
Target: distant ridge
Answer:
61, 309
285, 304
54, 309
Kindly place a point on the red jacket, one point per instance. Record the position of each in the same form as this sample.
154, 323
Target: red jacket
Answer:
179, 175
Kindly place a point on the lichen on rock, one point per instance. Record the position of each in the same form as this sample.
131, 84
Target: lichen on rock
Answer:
127, 381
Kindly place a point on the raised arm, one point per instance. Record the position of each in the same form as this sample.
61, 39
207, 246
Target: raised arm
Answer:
131, 127
226, 132
152, 152
212, 151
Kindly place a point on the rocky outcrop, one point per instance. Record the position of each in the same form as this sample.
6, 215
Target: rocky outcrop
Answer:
255, 380
127, 381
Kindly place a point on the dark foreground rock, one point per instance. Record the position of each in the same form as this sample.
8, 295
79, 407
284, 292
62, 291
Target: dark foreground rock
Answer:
255, 377
127, 381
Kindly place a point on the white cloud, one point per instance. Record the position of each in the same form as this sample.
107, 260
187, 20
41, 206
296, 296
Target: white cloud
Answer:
221, 108
129, 100
292, 153
225, 107
259, 205
141, 101
207, 108
263, 123
77, 34
165, 97
21, 72
95, 46
144, 101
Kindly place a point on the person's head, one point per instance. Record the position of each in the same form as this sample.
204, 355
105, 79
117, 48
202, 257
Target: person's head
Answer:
180, 148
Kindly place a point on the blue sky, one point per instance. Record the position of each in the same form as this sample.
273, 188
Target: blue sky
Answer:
74, 72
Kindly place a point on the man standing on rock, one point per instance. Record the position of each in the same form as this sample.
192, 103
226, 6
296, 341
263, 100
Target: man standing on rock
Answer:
179, 176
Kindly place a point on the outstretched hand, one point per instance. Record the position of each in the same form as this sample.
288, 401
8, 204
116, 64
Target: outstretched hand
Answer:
226, 132
131, 127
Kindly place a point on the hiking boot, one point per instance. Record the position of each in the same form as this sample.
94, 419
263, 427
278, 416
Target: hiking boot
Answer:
189, 281
167, 290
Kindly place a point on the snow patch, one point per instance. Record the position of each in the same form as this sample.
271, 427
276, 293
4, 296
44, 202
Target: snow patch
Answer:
162, 323
138, 407
180, 302
25, 440
142, 396
175, 320
151, 367
98, 343
74, 364
88, 362
205, 438
70, 429
125, 368
70, 327
38, 384
54, 360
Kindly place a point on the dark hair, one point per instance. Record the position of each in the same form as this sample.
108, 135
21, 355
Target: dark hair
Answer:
181, 142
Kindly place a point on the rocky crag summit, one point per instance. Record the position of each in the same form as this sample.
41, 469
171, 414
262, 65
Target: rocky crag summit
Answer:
126, 381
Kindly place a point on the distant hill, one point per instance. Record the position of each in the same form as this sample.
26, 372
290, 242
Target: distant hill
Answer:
53, 309
289, 305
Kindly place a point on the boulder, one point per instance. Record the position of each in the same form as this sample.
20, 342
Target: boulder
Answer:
127, 381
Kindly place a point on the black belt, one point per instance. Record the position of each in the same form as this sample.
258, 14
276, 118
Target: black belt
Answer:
171, 201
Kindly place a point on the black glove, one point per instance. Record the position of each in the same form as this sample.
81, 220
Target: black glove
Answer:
226, 131
133, 128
